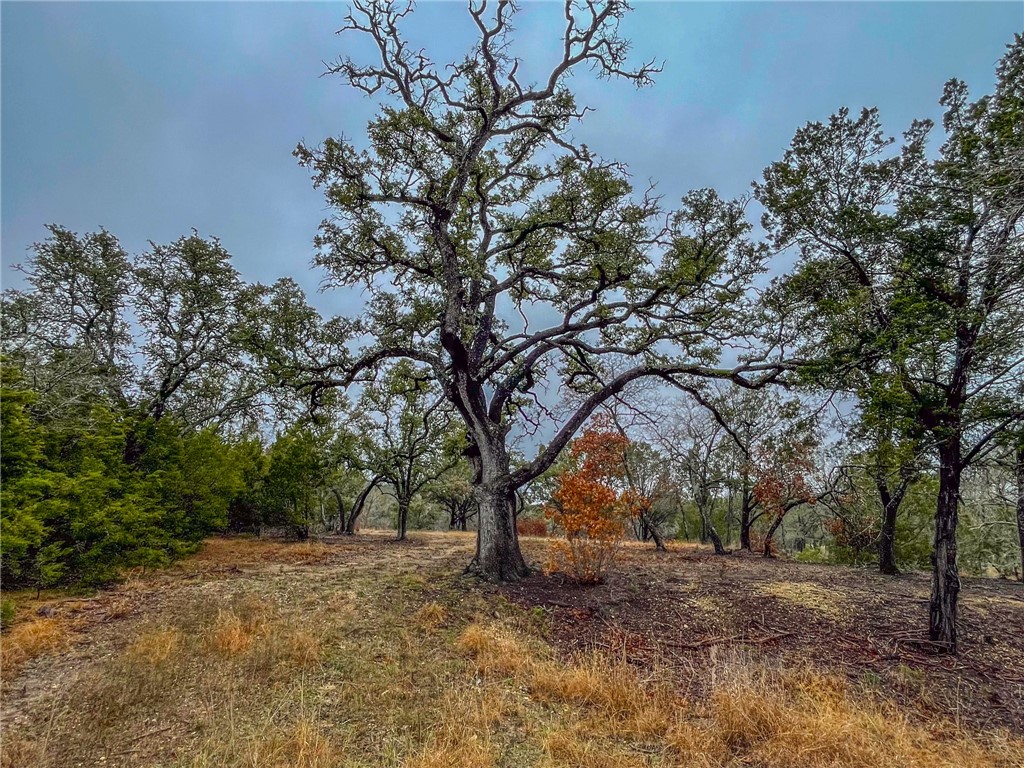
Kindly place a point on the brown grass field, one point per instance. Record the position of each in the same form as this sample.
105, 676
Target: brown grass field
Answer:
366, 652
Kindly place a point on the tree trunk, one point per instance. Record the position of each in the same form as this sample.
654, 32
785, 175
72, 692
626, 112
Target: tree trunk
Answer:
357, 507
403, 516
341, 510
945, 577
770, 536
1020, 506
498, 557
708, 527
745, 517
650, 531
887, 536
728, 516
659, 542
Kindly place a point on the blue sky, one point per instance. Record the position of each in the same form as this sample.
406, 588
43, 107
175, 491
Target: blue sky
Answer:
153, 118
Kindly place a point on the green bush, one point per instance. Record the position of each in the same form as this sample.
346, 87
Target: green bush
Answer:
7, 610
80, 504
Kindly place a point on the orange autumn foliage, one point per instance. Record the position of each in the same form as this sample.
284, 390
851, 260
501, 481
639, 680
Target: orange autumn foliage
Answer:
589, 506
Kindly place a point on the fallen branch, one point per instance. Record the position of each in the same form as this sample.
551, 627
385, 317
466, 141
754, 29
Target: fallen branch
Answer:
728, 639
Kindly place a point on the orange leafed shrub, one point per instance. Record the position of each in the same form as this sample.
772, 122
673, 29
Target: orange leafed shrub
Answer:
590, 507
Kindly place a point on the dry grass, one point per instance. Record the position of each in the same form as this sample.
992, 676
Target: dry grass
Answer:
340, 668
230, 634
495, 651
454, 749
573, 748
813, 596
302, 744
237, 551
808, 719
608, 717
156, 646
235, 629
27, 640
430, 616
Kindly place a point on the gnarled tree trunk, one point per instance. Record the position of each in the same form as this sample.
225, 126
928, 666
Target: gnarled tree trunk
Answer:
704, 506
403, 516
357, 507
746, 514
498, 557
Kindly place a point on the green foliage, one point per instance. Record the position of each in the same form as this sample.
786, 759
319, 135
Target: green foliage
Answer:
297, 467
817, 555
74, 509
7, 611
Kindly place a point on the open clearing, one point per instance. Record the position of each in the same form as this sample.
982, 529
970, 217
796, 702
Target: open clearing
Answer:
366, 652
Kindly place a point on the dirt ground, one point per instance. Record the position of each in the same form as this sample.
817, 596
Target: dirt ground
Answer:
669, 615
673, 610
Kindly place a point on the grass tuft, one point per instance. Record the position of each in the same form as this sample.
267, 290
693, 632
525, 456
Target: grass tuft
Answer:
28, 639
155, 646
494, 652
430, 616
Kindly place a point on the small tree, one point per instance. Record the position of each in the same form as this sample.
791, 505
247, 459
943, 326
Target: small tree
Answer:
408, 438
592, 505
782, 483
453, 491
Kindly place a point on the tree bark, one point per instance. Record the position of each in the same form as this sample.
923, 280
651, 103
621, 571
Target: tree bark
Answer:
728, 515
887, 536
1020, 506
341, 510
770, 536
498, 557
357, 507
708, 527
745, 515
945, 576
659, 542
682, 522
403, 516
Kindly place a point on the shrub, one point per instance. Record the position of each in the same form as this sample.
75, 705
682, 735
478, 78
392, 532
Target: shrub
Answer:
7, 609
590, 508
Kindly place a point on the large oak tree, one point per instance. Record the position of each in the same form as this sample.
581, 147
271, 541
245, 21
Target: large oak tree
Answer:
503, 254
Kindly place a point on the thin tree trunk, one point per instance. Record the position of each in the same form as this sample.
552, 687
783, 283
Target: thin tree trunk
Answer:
887, 536
682, 518
709, 527
357, 507
403, 516
745, 517
945, 576
341, 510
1020, 506
728, 515
770, 536
651, 532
